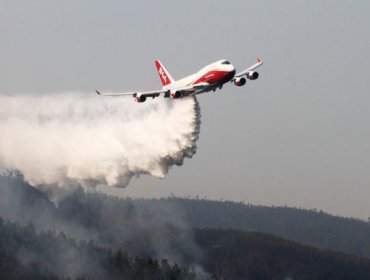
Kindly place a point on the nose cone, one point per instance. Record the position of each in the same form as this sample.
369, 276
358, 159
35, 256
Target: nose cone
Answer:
231, 73
232, 69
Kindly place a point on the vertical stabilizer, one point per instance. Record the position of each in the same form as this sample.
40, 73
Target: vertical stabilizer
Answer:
163, 74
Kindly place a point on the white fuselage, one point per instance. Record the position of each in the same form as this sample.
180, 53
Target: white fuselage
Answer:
214, 75
209, 78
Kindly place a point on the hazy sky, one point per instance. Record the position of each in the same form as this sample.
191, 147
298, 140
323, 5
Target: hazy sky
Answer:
298, 136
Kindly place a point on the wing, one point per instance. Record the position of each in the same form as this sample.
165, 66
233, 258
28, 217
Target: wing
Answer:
153, 94
183, 91
250, 69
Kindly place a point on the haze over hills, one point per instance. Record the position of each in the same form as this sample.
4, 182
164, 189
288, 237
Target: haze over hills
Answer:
312, 227
28, 254
21, 202
200, 236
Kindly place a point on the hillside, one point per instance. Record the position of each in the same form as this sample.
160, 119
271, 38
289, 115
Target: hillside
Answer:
309, 227
245, 255
83, 211
28, 254
222, 239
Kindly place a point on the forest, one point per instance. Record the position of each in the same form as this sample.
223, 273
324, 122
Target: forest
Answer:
26, 254
90, 235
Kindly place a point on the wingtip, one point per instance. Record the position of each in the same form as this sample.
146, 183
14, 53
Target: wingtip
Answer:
259, 59
97, 92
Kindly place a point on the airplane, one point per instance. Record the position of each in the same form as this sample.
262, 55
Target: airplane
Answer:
209, 78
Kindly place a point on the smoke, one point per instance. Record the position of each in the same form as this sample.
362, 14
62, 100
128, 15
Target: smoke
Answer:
60, 141
141, 227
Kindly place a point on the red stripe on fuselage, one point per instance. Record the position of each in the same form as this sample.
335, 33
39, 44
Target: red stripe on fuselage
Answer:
215, 77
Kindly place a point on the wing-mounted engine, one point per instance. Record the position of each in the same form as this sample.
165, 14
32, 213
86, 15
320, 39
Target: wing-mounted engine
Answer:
176, 94
249, 73
140, 98
240, 81
252, 75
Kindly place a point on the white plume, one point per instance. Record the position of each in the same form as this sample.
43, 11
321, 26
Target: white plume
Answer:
70, 139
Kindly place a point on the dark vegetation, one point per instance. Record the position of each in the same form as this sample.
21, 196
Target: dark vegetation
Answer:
246, 255
311, 227
95, 236
26, 254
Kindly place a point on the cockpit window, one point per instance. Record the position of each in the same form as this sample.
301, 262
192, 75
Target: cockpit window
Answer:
225, 62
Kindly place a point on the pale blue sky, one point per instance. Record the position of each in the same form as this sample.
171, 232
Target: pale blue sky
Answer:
299, 135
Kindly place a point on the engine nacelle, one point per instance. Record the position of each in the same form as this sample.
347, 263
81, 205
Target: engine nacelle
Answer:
176, 94
140, 98
240, 81
252, 75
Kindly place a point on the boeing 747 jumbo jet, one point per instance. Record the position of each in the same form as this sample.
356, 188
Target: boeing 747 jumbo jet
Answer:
209, 78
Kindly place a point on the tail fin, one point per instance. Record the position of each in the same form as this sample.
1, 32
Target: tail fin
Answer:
163, 74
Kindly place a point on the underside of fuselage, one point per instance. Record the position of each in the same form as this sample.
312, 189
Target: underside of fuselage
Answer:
217, 81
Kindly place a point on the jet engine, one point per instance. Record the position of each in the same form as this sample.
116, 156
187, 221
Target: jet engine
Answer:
252, 75
240, 81
140, 98
176, 94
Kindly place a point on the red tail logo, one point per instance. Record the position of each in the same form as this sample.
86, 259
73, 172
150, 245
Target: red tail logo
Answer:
163, 74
